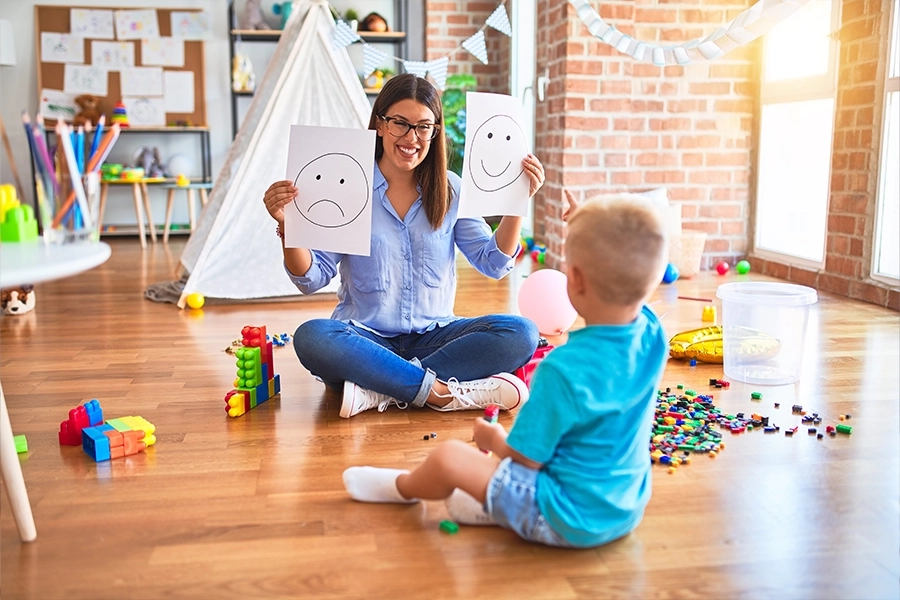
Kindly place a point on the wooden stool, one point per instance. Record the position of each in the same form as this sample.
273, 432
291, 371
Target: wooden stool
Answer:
141, 196
204, 198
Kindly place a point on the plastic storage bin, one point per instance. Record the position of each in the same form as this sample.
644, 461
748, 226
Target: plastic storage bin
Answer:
764, 328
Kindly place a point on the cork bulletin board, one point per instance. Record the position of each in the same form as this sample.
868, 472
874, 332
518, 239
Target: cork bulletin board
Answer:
51, 76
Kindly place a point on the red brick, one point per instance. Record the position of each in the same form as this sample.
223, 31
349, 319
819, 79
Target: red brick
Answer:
841, 224
663, 176
717, 88
893, 301
774, 269
718, 210
868, 292
627, 178
804, 276
691, 159
833, 284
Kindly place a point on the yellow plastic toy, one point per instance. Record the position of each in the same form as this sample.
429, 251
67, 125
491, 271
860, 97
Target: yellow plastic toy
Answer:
709, 314
706, 344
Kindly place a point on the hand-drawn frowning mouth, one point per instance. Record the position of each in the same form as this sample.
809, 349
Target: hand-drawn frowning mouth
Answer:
328, 201
489, 174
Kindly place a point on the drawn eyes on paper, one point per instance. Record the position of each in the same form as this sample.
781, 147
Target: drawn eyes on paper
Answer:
333, 190
496, 153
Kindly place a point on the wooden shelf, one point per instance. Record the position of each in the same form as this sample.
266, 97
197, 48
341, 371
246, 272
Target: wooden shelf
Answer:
252, 35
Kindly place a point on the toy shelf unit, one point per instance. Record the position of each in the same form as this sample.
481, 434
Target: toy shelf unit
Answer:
178, 149
258, 45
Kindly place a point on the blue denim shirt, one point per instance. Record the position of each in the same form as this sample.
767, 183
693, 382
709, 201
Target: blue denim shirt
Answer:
408, 282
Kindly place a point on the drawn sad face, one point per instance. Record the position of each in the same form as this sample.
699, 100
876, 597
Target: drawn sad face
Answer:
333, 190
496, 153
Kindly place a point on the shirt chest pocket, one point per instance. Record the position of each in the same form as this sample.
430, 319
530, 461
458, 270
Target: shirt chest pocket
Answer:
370, 273
438, 266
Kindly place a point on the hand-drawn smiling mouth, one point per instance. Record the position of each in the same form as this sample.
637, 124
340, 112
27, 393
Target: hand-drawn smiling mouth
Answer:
489, 174
328, 201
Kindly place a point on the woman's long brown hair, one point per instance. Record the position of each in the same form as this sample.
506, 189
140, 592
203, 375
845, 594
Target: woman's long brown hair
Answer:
431, 174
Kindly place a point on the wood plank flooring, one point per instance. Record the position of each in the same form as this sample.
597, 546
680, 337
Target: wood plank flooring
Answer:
254, 507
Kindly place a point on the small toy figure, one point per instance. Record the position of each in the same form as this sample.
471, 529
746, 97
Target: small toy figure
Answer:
18, 300
242, 76
252, 17
120, 115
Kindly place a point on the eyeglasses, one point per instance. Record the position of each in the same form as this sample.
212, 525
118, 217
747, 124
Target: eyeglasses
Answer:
399, 128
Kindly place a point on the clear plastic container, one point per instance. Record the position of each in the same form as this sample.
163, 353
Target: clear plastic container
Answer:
764, 328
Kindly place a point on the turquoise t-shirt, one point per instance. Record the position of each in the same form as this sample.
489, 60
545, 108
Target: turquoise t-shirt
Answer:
588, 422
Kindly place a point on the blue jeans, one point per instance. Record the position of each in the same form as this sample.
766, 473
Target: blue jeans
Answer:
406, 366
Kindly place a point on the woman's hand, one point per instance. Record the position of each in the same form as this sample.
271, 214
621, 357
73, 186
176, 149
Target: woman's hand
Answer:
486, 433
535, 171
571, 205
277, 196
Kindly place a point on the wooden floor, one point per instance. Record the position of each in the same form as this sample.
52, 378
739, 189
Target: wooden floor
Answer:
254, 507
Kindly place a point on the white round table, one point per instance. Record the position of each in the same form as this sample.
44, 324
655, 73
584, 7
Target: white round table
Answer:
22, 263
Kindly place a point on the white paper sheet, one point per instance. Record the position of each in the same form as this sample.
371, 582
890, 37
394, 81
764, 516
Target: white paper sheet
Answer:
141, 81
165, 52
145, 112
190, 25
112, 56
61, 48
56, 104
493, 181
85, 79
136, 24
96, 24
332, 169
179, 91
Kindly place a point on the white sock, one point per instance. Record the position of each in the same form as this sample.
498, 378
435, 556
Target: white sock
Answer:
372, 484
466, 510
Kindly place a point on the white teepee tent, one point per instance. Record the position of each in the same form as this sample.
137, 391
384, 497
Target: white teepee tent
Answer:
234, 252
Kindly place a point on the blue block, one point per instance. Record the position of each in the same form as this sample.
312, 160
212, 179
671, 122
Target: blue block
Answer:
95, 443
94, 412
277, 383
265, 372
262, 392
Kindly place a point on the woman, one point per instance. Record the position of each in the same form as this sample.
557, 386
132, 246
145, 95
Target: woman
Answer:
393, 338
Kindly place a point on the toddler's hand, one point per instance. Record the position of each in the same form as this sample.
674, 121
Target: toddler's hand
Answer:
535, 171
571, 205
485, 433
277, 196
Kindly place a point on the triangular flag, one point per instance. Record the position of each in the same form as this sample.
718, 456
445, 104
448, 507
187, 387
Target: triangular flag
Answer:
372, 57
499, 21
475, 46
416, 67
438, 70
343, 36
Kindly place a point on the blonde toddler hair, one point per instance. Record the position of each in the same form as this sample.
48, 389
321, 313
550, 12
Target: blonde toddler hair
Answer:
620, 243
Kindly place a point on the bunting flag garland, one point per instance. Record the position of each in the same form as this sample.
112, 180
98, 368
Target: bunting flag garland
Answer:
500, 21
746, 27
343, 36
437, 68
475, 46
416, 67
372, 57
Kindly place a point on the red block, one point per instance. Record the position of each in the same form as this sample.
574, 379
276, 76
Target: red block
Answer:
70, 429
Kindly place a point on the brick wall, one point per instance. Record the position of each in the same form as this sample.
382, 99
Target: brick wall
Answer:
610, 124
864, 39
449, 23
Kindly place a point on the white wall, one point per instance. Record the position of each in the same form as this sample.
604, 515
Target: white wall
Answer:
18, 92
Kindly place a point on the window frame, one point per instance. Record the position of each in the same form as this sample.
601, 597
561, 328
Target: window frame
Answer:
891, 84
814, 87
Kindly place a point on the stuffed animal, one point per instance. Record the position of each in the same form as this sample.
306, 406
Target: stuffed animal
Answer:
17, 300
375, 23
242, 77
252, 16
148, 160
90, 110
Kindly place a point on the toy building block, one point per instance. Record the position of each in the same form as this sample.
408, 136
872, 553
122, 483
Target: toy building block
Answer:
19, 225
117, 438
709, 314
88, 415
256, 380
21, 444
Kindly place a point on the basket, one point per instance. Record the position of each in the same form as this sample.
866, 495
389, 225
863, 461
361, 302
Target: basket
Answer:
686, 251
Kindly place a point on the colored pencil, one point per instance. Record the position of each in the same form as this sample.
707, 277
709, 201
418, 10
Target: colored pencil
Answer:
93, 165
45, 156
697, 299
96, 143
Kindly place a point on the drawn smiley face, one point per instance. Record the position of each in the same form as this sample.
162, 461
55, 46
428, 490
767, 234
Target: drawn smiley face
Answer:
496, 153
334, 190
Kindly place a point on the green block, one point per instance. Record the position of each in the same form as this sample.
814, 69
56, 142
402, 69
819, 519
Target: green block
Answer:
21, 444
844, 429
449, 527
118, 424
19, 225
680, 386
756, 395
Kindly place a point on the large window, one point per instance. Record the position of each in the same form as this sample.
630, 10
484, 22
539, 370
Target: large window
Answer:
886, 252
796, 132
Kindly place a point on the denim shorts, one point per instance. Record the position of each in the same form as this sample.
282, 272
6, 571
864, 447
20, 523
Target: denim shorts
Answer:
511, 500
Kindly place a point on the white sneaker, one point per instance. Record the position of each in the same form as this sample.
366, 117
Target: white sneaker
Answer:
504, 389
358, 399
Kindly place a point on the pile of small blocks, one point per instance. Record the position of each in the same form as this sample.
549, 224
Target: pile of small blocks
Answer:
256, 380
103, 441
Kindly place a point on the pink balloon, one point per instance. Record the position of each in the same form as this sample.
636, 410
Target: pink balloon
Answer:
544, 300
